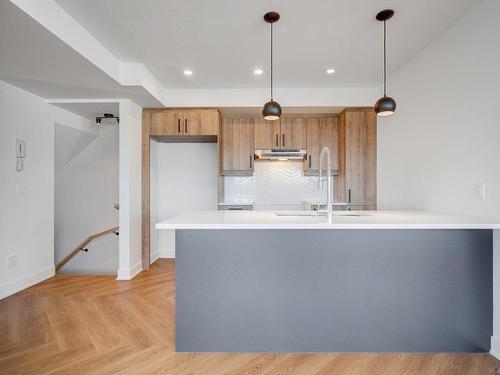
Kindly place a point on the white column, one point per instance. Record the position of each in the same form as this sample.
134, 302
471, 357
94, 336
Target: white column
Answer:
130, 263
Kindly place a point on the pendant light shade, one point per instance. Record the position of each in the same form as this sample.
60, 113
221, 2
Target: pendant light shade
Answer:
271, 110
386, 105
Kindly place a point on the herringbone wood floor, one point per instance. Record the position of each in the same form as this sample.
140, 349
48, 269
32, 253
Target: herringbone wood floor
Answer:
97, 325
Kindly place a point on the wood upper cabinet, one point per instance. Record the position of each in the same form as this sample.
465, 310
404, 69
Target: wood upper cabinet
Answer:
163, 123
184, 122
322, 132
203, 122
267, 134
286, 133
293, 133
237, 146
360, 157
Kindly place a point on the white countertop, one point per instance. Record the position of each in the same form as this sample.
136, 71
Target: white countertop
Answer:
368, 220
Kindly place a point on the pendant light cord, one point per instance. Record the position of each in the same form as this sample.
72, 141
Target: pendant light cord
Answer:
385, 59
271, 62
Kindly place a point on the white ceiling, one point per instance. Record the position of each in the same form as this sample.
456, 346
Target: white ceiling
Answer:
34, 59
223, 40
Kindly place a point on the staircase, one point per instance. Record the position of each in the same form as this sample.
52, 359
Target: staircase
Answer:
83, 246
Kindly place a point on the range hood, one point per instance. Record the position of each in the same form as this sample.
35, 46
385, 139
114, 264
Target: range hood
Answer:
280, 154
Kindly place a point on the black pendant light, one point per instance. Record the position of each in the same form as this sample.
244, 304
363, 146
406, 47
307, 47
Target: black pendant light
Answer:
271, 110
386, 105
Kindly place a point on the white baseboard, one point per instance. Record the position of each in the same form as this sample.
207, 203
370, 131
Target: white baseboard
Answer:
129, 273
153, 257
166, 253
495, 347
15, 286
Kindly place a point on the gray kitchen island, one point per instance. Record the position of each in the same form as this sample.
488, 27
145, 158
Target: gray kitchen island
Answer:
384, 281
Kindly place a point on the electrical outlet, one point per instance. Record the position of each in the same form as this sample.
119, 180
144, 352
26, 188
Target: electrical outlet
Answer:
480, 191
11, 262
21, 189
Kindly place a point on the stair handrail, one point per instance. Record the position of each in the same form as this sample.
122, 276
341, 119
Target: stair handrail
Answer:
81, 247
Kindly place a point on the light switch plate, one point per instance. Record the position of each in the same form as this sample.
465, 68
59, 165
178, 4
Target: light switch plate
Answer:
21, 189
11, 262
480, 191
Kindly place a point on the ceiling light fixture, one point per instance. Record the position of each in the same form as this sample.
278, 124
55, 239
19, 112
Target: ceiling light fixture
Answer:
258, 72
386, 105
271, 110
188, 72
330, 71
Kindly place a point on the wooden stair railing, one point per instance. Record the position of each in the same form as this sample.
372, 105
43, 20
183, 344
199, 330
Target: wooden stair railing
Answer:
81, 247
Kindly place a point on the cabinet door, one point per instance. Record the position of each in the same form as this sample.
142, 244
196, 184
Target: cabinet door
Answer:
321, 132
209, 122
237, 146
360, 158
293, 133
178, 122
163, 123
267, 134
191, 123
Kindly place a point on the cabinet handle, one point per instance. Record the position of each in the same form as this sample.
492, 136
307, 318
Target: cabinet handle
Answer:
277, 140
178, 125
309, 161
349, 195
250, 161
185, 125
283, 144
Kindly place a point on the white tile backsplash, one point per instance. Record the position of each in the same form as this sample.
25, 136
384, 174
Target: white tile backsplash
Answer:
238, 189
274, 184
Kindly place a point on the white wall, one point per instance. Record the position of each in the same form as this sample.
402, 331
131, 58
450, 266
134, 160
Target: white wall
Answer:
86, 189
444, 137
26, 221
186, 180
130, 143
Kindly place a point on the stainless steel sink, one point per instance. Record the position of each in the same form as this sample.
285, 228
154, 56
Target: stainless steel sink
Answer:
316, 214
298, 213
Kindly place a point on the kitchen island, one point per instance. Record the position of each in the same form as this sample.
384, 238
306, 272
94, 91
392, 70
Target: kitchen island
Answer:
376, 281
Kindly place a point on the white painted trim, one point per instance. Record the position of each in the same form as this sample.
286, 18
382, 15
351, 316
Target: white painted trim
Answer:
495, 347
166, 253
15, 286
162, 254
129, 274
154, 257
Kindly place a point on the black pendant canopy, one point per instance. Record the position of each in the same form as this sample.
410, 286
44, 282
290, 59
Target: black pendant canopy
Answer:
271, 110
386, 105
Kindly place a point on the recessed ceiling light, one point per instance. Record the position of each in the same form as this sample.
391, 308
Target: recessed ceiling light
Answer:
258, 72
188, 72
330, 71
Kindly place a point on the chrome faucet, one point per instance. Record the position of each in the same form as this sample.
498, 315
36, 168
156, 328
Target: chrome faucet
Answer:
325, 151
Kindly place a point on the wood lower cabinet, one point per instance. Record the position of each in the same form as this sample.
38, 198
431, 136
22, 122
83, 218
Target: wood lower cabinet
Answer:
197, 122
322, 132
237, 148
360, 128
